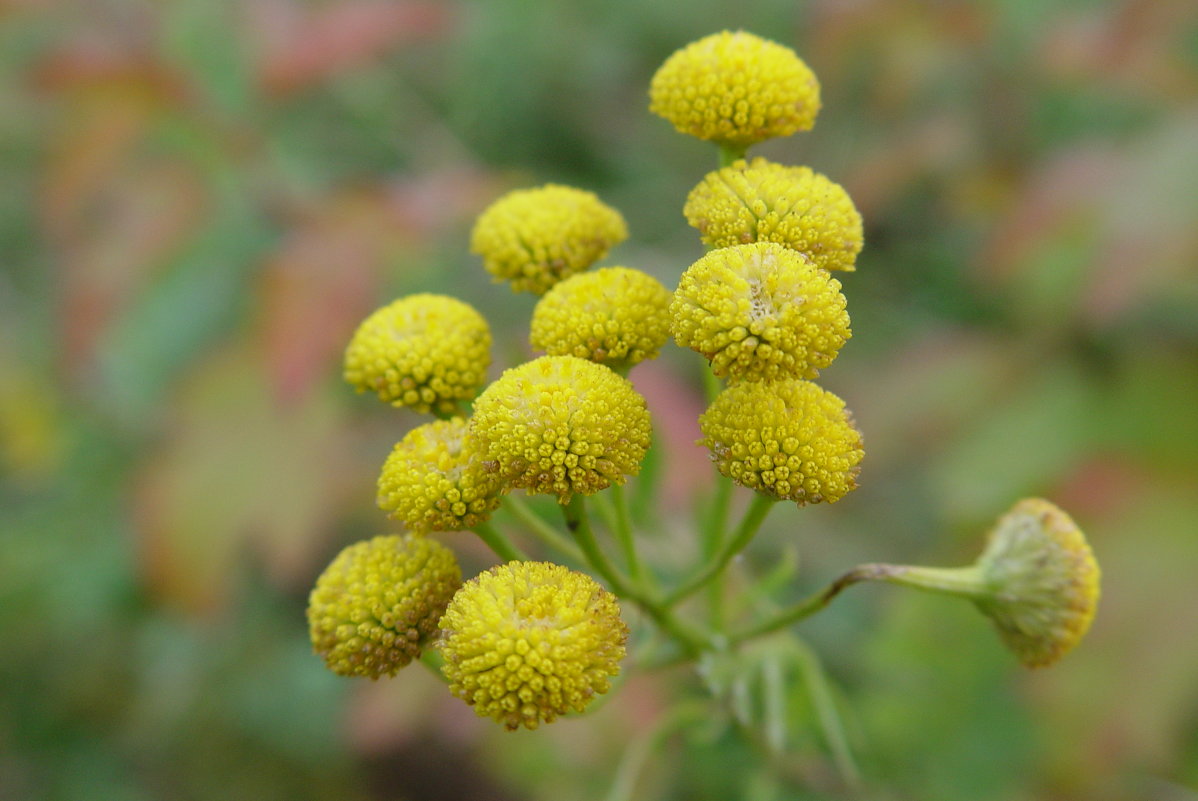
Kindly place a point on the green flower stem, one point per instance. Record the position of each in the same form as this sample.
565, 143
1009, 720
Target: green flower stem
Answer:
623, 531
961, 581
541, 528
580, 526
713, 538
754, 515
731, 153
432, 659
501, 545
711, 386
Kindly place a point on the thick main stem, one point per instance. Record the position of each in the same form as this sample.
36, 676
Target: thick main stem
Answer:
579, 525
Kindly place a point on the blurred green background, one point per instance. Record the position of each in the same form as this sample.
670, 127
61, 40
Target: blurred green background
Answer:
200, 200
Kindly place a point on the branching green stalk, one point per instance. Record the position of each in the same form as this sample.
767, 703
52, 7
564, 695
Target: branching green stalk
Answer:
432, 659
759, 507
713, 538
624, 535
963, 581
541, 528
503, 547
579, 525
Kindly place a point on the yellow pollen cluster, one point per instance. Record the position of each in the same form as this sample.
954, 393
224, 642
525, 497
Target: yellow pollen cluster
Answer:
765, 202
423, 351
536, 237
434, 479
525, 642
789, 439
735, 89
559, 425
615, 315
760, 312
1045, 581
378, 602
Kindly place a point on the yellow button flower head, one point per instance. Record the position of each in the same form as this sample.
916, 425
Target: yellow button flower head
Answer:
760, 311
434, 479
789, 439
525, 642
735, 89
765, 202
1043, 581
378, 603
615, 315
559, 425
536, 237
423, 351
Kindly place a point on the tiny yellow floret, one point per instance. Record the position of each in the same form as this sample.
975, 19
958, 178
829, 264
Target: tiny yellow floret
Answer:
616, 316
434, 479
760, 312
760, 201
427, 352
1044, 581
378, 603
788, 439
534, 238
558, 425
526, 642
735, 89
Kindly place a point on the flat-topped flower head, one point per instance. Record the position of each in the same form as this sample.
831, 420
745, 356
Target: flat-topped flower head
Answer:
735, 89
789, 439
616, 316
435, 480
559, 425
1043, 581
526, 642
426, 352
760, 312
378, 603
760, 201
534, 238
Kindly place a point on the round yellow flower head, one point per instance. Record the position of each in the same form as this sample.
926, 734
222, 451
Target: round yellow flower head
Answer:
423, 351
735, 89
536, 237
761, 201
378, 603
559, 425
615, 316
790, 439
760, 311
434, 479
525, 642
1043, 581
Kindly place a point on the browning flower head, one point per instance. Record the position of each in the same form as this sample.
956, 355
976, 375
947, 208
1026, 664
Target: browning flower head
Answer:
378, 602
789, 439
434, 479
423, 351
559, 425
760, 201
536, 237
1044, 581
735, 89
760, 311
616, 316
525, 642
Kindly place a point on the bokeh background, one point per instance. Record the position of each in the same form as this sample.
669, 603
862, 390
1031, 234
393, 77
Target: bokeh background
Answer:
199, 200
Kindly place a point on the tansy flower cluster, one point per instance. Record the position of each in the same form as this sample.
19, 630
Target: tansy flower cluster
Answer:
528, 640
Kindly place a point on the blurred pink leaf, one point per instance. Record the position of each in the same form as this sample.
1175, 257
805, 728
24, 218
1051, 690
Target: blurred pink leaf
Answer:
236, 474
